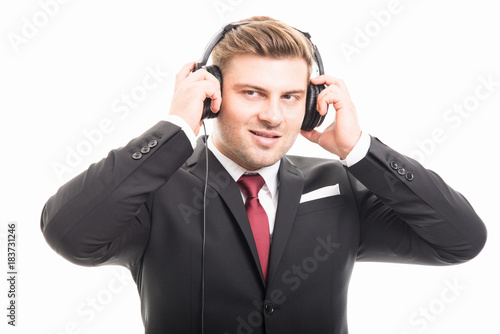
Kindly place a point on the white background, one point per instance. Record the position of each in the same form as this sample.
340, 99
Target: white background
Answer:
62, 79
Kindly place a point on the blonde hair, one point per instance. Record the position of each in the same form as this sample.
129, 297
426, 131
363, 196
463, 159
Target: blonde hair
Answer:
266, 37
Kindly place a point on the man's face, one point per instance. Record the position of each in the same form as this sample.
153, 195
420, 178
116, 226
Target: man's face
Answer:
263, 106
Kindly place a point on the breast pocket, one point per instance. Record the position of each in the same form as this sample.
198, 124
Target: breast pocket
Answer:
320, 217
320, 222
320, 205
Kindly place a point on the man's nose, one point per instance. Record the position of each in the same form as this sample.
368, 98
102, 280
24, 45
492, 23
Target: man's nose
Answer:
272, 113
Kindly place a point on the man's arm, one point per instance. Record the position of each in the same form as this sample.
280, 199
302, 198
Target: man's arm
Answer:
101, 215
408, 214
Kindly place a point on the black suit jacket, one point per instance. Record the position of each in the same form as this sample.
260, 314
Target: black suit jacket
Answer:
145, 211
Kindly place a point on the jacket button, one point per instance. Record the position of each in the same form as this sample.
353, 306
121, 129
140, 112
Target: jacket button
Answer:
136, 155
145, 149
153, 143
269, 308
409, 176
401, 171
394, 165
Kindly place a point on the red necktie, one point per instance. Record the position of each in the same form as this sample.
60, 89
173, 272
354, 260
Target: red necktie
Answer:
250, 185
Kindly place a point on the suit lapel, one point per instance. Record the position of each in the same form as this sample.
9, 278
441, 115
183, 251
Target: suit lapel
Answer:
291, 183
220, 180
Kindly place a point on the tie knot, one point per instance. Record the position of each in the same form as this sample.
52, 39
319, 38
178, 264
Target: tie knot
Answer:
250, 184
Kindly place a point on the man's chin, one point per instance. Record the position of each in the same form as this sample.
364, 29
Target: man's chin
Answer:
260, 163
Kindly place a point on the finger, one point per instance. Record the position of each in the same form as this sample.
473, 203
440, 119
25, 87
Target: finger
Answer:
216, 104
211, 90
326, 79
311, 135
215, 95
202, 75
329, 80
184, 72
321, 106
327, 96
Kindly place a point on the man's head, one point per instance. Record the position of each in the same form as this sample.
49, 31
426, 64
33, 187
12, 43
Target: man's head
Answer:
266, 37
266, 67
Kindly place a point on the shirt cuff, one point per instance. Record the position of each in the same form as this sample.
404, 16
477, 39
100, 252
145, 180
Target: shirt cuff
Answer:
174, 119
359, 151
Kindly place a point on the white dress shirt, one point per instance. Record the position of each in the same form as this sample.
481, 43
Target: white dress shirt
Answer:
268, 195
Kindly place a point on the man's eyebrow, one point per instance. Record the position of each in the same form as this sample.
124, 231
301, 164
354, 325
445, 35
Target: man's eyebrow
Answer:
239, 86
296, 91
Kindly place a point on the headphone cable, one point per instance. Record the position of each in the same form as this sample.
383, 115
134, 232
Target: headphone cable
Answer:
203, 235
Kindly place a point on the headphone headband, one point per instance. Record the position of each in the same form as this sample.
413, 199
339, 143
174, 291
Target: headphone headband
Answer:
218, 36
312, 117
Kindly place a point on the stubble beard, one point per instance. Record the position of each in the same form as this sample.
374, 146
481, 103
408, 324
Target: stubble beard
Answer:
250, 156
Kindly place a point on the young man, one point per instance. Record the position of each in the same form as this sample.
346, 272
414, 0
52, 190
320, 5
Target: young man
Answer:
269, 258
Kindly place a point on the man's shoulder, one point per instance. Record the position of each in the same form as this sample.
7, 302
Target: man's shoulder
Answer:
313, 165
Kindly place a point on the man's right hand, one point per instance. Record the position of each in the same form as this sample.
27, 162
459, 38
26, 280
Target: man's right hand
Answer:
191, 89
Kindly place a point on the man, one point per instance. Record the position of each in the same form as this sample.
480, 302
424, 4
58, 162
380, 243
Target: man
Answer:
222, 270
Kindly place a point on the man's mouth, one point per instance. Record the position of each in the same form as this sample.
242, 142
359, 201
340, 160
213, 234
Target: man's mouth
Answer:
265, 134
265, 138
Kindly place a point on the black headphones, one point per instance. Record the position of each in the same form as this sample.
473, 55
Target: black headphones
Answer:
312, 117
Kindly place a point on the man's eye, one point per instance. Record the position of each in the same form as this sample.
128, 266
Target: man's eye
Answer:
290, 97
253, 94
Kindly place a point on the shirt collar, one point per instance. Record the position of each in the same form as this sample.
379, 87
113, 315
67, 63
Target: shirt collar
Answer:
269, 173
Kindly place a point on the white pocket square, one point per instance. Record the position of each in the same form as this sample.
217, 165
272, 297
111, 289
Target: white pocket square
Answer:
320, 193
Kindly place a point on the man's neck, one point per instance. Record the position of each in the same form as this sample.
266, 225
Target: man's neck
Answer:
269, 173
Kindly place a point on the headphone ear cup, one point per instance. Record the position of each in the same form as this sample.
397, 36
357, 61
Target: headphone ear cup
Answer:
312, 117
207, 112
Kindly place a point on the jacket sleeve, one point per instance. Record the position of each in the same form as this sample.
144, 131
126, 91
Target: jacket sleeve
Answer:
101, 216
409, 214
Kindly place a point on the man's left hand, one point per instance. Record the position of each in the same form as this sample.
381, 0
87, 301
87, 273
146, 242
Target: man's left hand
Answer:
341, 136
